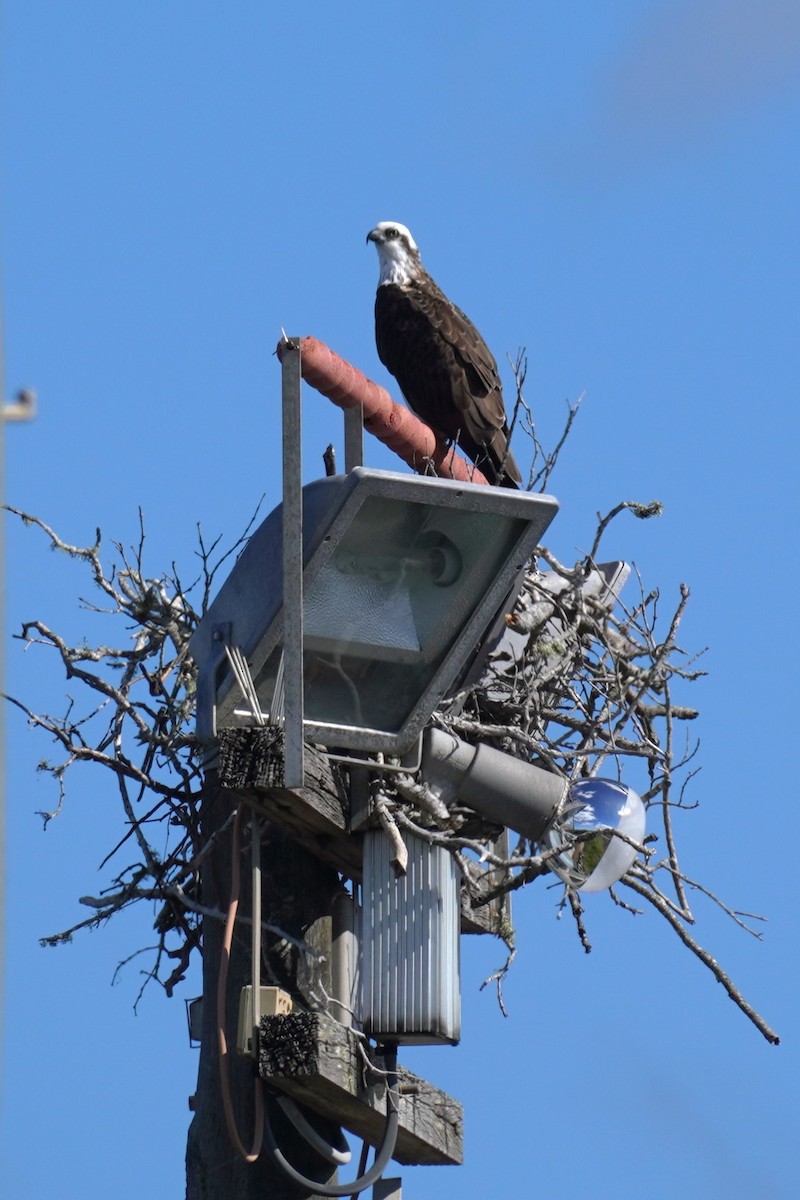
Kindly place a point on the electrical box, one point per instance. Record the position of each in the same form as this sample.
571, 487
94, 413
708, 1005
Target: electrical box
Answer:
274, 1003
410, 967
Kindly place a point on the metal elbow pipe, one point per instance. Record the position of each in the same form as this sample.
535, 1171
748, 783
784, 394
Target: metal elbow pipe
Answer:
497, 785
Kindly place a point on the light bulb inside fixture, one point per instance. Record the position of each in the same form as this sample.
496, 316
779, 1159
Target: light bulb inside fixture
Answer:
591, 857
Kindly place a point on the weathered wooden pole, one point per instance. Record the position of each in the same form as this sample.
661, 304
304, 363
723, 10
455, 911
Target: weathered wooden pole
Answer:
296, 897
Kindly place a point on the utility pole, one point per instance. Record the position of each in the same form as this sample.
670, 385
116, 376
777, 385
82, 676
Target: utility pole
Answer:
306, 845
349, 614
297, 893
2, 716
22, 408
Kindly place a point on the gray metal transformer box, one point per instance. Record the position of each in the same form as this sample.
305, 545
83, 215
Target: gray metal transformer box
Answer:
410, 948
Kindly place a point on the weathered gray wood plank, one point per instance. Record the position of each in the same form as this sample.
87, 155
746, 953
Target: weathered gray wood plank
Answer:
321, 1063
317, 815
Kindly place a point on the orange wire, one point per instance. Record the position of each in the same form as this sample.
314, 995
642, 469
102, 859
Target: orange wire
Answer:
222, 980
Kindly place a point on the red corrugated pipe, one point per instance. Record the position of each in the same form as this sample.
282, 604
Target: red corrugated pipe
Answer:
393, 424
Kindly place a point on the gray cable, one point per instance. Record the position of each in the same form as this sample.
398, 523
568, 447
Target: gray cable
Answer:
332, 1154
382, 1157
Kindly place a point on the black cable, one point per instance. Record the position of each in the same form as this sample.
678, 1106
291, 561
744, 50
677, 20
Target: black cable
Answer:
382, 1157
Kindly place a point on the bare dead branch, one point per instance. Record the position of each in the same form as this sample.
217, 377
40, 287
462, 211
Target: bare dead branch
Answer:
707, 959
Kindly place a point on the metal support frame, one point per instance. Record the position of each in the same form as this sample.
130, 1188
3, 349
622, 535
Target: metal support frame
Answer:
291, 399
353, 438
294, 765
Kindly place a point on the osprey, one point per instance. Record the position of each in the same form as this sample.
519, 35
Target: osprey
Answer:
443, 366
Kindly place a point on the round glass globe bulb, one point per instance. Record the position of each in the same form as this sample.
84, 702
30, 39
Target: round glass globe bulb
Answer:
594, 810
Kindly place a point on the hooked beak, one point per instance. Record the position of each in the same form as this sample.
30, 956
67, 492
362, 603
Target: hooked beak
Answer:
373, 236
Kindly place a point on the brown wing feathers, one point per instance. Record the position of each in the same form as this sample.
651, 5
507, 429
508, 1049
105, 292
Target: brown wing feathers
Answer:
446, 372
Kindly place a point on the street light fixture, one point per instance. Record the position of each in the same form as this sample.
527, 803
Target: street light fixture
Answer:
402, 577
595, 825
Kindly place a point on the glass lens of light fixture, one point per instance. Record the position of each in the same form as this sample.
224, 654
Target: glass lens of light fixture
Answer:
384, 611
592, 858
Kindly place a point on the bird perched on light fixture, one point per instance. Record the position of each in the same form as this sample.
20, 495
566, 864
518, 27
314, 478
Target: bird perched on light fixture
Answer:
444, 368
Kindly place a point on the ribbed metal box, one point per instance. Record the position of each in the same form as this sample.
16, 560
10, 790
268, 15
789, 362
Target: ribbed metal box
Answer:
410, 970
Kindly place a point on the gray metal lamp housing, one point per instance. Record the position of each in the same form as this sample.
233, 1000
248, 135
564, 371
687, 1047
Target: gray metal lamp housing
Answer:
594, 825
402, 577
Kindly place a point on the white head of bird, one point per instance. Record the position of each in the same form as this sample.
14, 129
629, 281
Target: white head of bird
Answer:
398, 253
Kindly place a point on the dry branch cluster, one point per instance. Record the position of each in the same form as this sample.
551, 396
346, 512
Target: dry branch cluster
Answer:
583, 684
133, 714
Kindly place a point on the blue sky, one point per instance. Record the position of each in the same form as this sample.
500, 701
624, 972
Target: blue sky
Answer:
614, 186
